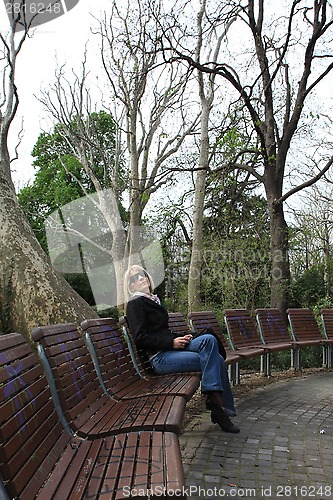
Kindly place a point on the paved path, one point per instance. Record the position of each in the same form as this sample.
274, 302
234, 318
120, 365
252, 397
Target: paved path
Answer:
284, 449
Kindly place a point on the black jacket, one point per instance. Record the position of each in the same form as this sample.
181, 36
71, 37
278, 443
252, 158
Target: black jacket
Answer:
148, 322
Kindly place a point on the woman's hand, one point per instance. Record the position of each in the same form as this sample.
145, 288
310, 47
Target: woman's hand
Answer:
181, 342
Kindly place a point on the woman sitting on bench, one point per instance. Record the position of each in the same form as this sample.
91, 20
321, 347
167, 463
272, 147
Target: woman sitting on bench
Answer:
169, 353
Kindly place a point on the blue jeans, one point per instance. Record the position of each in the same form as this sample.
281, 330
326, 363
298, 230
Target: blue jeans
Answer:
201, 354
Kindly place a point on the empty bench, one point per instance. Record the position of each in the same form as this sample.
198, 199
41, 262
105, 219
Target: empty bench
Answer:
41, 460
244, 336
306, 332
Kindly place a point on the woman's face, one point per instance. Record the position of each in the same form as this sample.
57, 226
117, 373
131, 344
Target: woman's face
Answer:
139, 282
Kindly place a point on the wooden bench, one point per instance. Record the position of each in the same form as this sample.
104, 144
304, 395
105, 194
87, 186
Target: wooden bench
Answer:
275, 334
207, 319
112, 357
41, 460
88, 409
244, 336
327, 320
305, 331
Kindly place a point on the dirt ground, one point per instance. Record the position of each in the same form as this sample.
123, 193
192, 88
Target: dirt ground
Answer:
250, 382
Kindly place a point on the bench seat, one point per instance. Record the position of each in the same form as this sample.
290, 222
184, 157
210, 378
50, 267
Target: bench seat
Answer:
275, 334
327, 321
175, 380
243, 333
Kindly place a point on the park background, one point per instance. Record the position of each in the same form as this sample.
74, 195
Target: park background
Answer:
210, 125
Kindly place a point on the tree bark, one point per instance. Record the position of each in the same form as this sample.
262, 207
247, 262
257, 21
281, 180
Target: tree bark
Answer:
194, 300
280, 270
31, 292
206, 93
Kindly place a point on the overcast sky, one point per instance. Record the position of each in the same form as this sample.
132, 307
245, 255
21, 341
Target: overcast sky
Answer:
53, 43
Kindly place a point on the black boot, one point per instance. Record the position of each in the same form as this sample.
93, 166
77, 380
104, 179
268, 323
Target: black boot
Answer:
214, 403
224, 422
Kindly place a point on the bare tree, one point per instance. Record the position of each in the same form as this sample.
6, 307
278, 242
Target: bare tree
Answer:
151, 95
206, 94
31, 292
276, 91
70, 105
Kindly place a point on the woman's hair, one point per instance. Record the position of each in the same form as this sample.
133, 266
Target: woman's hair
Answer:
133, 270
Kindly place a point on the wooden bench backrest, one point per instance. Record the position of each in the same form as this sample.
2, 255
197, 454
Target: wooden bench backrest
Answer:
304, 325
113, 355
272, 325
31, 435
242, 328
327, 319
178, 324
208, 319
72, 367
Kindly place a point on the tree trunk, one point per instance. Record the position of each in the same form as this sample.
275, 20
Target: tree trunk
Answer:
31, 292
194, 280
327, 258
280, 270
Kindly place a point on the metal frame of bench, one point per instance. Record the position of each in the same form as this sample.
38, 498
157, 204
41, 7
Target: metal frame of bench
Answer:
306, 333
327, 321
112, 357
207, 319
40, 460
89, 411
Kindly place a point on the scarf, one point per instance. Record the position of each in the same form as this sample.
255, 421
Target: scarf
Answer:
150, 296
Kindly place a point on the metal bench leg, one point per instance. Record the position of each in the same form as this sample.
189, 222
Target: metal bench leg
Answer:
233, 371
329, 356
237, 374
263, 364
325, 357
268, 365
296, 358
231, 374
